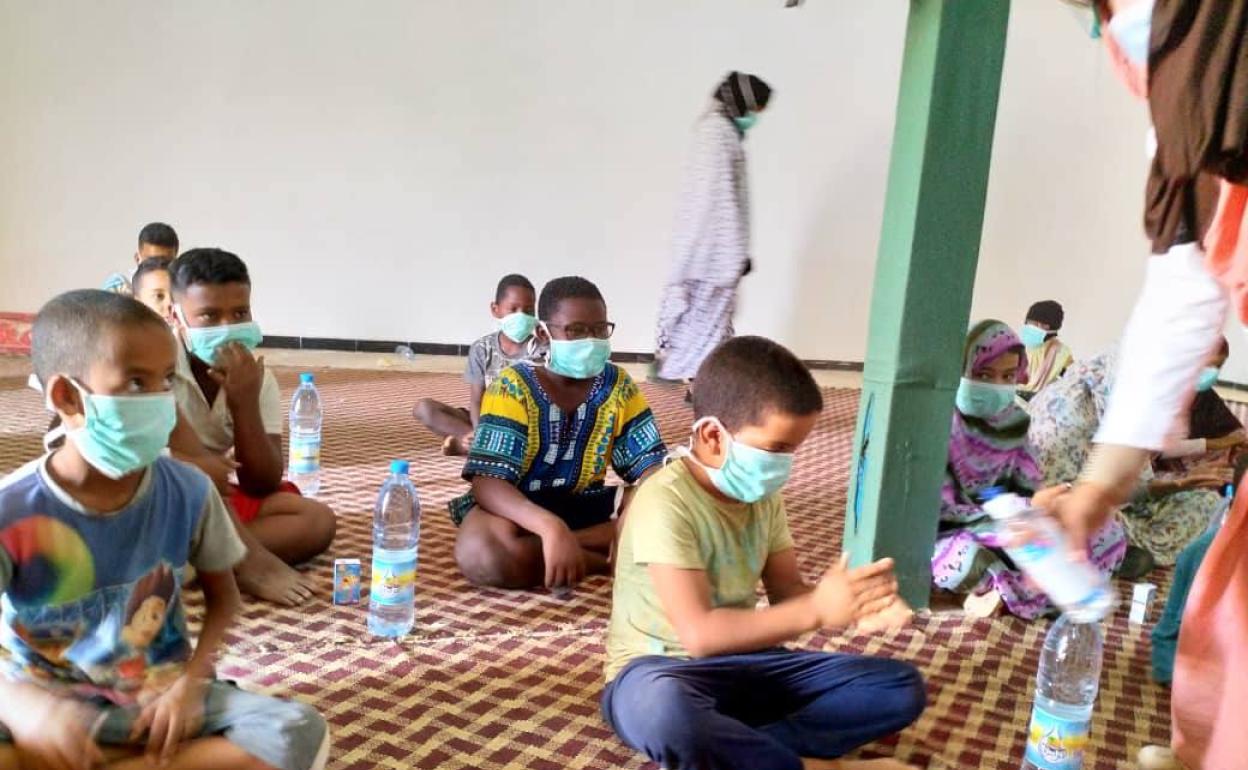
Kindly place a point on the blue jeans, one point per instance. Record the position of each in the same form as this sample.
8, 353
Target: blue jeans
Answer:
763, 710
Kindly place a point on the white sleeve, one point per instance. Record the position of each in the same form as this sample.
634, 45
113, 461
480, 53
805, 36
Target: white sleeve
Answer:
1176, 322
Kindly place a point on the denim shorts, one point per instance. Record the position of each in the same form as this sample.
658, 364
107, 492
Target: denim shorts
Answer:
281, 733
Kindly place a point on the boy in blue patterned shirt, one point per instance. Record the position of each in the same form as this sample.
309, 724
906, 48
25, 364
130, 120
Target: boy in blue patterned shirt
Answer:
95, 539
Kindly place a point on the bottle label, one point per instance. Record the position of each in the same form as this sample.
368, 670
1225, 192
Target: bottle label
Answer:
1044, 560
305, 454
394, 577
1054, 743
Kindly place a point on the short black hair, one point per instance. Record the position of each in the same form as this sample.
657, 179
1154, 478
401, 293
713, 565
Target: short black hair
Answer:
1048, 312
147, 266
159, 234
512, 281
65, 338
746, 378
207, 266
567, 287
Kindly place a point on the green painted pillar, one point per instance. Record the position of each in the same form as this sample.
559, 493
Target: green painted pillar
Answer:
933, 215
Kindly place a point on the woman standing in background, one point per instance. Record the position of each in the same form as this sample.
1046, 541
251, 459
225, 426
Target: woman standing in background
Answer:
711, 245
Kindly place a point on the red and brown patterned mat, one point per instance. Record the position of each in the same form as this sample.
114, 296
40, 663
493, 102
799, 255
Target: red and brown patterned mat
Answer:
497, 680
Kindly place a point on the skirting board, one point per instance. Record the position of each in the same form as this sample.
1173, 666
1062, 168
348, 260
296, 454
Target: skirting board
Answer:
444, 349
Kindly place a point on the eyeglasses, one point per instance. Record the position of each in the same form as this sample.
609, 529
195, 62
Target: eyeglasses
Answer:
579, 331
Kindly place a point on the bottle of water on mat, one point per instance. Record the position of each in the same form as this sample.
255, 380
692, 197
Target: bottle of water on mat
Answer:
1039, 548
1066, 687
304, 469
396, 539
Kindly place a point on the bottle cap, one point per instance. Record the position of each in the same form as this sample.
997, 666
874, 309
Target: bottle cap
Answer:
399, 466
990, 493
306, 377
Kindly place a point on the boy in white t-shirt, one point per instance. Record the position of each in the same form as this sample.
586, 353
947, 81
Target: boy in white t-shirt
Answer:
231, 421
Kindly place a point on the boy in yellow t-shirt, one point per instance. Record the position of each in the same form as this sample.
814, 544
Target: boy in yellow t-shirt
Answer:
696, 677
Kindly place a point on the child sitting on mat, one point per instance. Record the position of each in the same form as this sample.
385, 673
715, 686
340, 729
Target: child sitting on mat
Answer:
539, 512
156, 241
514, 306
151, 285
95, 538
696, 676
231, 420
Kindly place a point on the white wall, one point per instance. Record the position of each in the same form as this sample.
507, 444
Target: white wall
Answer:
380, 165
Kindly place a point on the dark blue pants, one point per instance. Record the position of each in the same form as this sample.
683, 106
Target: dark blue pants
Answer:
763, 710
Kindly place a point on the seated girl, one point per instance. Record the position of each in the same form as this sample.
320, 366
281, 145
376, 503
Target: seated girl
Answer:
1214, 435
1172, 506
988, 448
539, 512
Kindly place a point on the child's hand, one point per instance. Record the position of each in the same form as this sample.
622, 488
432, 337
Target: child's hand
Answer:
562, 554
55, 733
894, 615
177, 714
218, 467
842, 594
239, 373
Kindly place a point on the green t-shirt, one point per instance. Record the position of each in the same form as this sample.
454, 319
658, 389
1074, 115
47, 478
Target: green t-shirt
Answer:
674, 521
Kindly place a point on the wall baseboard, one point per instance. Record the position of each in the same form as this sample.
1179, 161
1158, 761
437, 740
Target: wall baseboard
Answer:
444, 349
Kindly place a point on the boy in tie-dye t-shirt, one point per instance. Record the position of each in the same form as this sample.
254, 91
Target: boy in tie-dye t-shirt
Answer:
95, 539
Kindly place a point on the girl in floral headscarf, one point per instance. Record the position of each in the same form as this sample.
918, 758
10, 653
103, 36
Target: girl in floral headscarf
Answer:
988, 448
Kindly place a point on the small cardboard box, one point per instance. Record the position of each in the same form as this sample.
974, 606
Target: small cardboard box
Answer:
346, 581
1141, 597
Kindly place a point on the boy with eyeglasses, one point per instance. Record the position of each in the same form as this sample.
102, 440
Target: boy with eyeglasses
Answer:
539, 512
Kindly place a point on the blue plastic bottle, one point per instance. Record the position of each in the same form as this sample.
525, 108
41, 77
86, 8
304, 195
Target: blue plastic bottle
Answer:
304, 469
396, 541
1066, 687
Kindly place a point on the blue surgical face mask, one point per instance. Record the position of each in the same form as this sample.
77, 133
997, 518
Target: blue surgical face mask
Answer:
746, 122
1207, 379
1032, 336
579, 359
123, 434
748, 474
203, 341
517, 326
983, 399
1131, 27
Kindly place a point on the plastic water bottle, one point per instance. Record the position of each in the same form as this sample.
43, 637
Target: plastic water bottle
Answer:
305, 437
1076, 587
396, 540
1066, 687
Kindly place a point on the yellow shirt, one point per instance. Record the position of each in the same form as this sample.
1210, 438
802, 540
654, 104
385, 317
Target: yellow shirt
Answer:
674, 521
1046, 364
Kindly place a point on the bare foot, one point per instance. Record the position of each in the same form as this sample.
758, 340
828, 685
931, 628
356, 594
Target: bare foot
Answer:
1159, 758
856, 764
267, 577
986, 605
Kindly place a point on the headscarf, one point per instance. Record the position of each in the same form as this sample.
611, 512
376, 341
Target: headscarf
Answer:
742, 93
985, 452
1049, 313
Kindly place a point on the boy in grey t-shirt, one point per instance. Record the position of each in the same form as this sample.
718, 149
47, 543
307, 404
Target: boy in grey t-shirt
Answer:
515, 307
